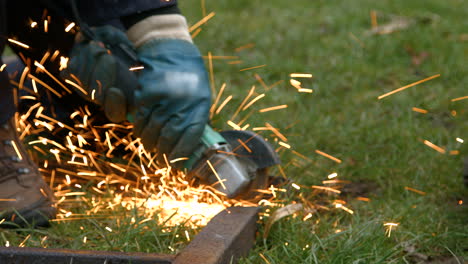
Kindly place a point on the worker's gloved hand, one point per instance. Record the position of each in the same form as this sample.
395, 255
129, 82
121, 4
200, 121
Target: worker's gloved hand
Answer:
174, 97
105, 77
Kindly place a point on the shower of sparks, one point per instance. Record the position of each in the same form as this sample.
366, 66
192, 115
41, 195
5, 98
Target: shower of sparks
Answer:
408, 86
434, 147
18, 43
459, 98
389, 227
101, 168
415, 190
333, 175
419, 110
254, 67
3, 67
33, 24
70, 26
327, 156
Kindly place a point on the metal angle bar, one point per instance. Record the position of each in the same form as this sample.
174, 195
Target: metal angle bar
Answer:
17, 255
228, 236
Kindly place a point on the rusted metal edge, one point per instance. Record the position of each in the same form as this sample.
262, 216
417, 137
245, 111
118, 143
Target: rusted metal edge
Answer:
228, 236
17, 255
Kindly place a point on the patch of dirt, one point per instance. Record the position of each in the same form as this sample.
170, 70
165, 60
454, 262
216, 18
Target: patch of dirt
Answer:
359, 188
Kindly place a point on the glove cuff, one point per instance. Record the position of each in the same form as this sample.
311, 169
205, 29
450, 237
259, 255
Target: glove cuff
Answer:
173, 26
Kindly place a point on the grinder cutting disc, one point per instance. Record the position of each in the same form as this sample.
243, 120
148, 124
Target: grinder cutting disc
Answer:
257, 155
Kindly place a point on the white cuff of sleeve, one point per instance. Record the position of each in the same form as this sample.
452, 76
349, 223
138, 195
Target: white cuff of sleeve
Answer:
172, 26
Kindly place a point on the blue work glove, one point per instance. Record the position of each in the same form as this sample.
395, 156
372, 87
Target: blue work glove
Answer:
174, 98
104, 75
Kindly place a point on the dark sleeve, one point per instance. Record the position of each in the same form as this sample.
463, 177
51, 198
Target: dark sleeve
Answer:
99, 12
131, 20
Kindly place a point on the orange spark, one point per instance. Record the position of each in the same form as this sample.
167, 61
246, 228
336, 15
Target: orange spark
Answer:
246, 46
76, 86
18, 43
327, 156
70, 26
326, 189
223, 104
459, 98
342, 207
233, 125
415, 190
304, 90
218, 97
389, 228
408, 86
202, 21
435, 147
295, 83
216, 174
264, 110
300, 75
18, 153
136, 68
197, 31
284, 144
419, 110
45, 85
244, 145
364, 199
373, 16
254, 67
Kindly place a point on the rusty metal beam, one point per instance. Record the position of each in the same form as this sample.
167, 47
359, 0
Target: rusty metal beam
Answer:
228, 236
17, 255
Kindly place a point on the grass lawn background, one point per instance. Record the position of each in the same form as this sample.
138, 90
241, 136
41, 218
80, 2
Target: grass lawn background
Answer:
379, 141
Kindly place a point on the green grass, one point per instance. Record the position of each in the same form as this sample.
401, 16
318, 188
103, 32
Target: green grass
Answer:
378, 140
